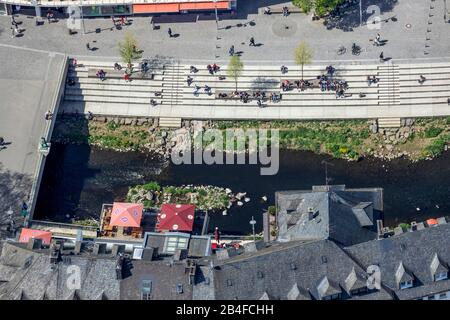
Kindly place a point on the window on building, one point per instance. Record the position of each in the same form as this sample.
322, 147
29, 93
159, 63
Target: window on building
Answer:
174, 243
431, 297
443, 295
406, 284
440, 276
179, 288
336, 296
146, 289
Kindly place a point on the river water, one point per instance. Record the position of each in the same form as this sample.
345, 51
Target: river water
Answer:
78, 179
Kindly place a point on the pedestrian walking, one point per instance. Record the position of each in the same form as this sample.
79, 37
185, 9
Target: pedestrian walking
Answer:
422, 79
122, 21
189, 80
382, 56
231, 51
113, 21
49, 16
48, 115
252, 42
88, 46
170, 32
13, 32
2, 141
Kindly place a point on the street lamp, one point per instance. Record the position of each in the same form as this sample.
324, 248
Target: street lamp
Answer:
217, 18
253, 222
360, 13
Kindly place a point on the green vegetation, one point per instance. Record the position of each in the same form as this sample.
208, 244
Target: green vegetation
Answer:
205, 198
235, 68
342, 139
433, 132
321, 7
128, 49
272, 210
86, 223
405, 226
303, 55
346, 139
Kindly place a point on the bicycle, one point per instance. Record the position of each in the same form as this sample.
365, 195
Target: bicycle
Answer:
341, 50
356, 50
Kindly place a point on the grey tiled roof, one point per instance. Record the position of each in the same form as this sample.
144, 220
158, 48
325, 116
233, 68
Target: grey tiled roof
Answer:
275, 270
164, 277
416, 252
33, 276
347, 216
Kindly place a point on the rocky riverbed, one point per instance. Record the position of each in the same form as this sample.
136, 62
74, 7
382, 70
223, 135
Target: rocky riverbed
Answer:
416, 139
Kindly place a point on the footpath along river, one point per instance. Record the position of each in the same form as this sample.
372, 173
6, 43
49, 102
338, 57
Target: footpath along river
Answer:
78, 179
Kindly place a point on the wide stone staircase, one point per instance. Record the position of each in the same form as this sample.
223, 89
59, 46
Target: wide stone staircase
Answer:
389, 84
398, 88
92, 94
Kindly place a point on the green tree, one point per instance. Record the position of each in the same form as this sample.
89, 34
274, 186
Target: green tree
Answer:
303, 55
235, 68
128, 49
321, 7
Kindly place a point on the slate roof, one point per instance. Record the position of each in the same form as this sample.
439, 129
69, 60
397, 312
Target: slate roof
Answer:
406, 256
30, 275
317, 269
347, 216
164, 277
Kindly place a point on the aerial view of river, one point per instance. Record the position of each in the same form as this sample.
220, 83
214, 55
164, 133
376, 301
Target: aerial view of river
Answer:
78, 179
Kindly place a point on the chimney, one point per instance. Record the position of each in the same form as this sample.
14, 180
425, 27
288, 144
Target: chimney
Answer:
34, 244
119, 264
380, 231
310, 213
180, 254
117, 248
99, 248
78, 246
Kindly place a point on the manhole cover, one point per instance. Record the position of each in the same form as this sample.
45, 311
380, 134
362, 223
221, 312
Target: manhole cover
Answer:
284, 27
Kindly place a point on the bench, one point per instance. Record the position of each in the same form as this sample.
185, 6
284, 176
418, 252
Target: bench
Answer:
315, 83
119, 74
237, 97
279, 10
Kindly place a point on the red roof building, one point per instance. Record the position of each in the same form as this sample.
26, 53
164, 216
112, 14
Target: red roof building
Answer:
27, 234
176, 217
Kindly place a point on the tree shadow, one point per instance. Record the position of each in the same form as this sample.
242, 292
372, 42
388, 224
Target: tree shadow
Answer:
262, 83
347, 17
14, 190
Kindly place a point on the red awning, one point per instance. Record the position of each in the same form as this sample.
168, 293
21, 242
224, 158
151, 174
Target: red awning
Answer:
179, 6
204, 5
126, 214
176, 217
28, 234
155, 8
432, 222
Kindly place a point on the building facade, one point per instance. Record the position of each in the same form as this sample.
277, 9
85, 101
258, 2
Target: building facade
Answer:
99, 8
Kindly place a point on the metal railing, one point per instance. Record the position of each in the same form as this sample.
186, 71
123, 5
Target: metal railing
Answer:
48, 129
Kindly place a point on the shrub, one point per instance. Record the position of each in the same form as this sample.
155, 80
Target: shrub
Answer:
112, 125
433, 132
151, 186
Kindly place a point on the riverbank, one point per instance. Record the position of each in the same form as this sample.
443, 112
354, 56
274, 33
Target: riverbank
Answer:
416, 139
78, 179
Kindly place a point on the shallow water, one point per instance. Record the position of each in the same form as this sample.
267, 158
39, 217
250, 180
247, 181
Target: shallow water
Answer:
78, 179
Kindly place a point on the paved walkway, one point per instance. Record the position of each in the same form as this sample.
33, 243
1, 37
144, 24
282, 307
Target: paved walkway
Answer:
28, 82
278, 36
